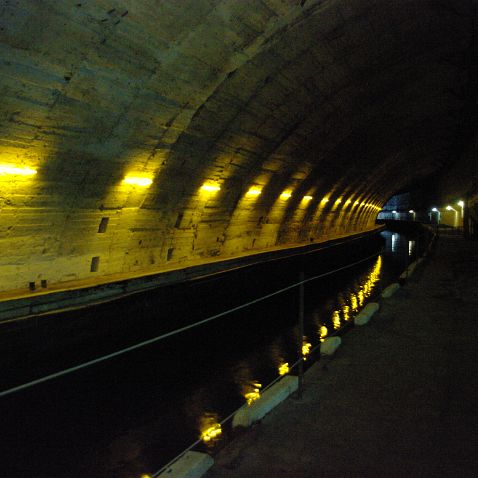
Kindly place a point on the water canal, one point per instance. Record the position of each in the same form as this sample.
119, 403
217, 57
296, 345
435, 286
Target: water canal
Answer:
128, 416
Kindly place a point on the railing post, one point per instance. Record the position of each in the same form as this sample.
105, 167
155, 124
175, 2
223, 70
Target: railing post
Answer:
301, 334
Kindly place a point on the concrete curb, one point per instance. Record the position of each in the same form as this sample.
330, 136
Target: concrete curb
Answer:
191, 465
366, 313
390, 290
274, 395
330, 345
411, 268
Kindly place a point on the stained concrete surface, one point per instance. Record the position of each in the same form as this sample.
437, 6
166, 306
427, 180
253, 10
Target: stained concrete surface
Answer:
399, 398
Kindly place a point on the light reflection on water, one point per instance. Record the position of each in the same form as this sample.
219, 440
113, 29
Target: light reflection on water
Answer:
333, 310
282, 350
350, 300
185, 388
210, 428
411, 247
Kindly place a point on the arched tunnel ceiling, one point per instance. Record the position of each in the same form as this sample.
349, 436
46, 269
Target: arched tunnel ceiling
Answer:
347, 100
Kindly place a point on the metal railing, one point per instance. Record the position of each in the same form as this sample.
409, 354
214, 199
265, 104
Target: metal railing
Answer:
299, 364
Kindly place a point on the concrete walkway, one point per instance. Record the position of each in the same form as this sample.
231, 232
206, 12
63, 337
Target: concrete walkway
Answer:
399, 398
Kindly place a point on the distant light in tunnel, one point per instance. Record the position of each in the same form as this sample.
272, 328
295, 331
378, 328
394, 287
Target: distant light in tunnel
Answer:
285, 195
325, 200
357, 203
434, 209
254, 191
348, 202
308, 198
338, 202
411, 211
210, 187
394, 212
461, 203
449, 208
138, 181
16, 171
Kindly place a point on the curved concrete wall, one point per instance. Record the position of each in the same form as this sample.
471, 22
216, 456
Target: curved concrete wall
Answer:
337, 104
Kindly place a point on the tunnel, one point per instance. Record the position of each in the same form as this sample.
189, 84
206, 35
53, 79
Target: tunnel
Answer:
139, 136
148, 142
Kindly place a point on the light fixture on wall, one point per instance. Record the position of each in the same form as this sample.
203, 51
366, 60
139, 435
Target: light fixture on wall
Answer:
210, 188
285, 195
6, 169
254, 191
138, 181
307, 198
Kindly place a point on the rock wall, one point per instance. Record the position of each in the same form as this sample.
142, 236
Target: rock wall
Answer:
312, 103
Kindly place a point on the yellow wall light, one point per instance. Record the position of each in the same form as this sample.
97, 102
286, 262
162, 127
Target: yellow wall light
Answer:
6, 169
325, 200
285, 195
348, 202
308, 198
138, 181
357, 203
210, 188
461, 203
254, 191
338, 202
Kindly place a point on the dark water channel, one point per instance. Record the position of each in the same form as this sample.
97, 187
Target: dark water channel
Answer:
128, 416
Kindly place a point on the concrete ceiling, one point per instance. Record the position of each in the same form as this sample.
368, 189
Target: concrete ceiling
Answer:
348, 100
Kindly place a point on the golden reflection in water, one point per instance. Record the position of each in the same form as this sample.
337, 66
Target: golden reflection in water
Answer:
346, 312
356, 300
252, 393
284, 368
361, 297
323, 332
336, 319
306, 346
210, 429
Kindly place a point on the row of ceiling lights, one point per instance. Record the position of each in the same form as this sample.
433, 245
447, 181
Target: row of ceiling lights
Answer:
255, 191
145, 182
